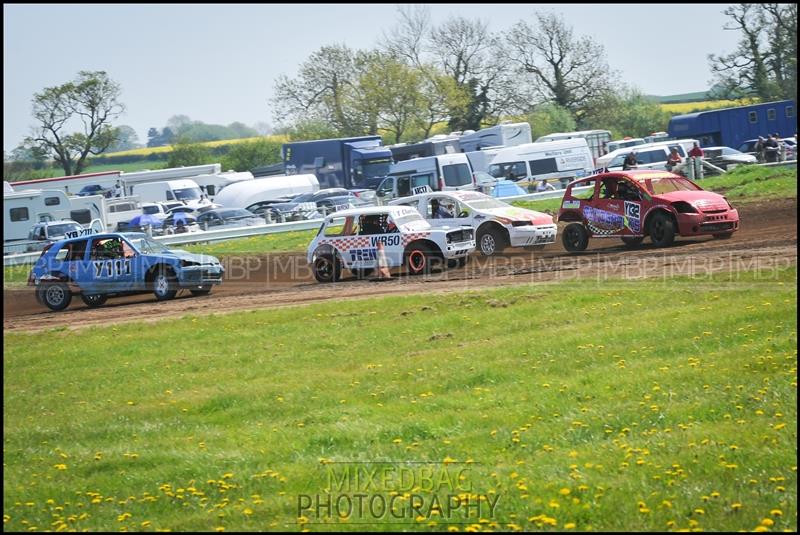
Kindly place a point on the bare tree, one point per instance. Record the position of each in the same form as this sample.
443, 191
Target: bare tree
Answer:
407, 40
764, 63
90, 100
567, 70
324, 90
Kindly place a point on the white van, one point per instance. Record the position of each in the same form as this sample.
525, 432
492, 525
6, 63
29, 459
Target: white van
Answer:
625, 143
551, 160
445, 172
184, 190
648, 156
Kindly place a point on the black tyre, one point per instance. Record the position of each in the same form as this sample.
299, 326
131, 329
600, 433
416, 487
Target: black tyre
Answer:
327, 268
94, 300
165, 286
363, 273
662, 230
55, 295
490, 241
575, 238
632, 241
419, 259
203, 290
723, 236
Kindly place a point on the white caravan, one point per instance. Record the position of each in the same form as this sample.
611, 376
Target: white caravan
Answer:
506, 135
551, 160
269, 188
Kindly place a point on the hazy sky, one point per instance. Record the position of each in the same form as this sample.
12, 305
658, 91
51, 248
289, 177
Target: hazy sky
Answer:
218, 63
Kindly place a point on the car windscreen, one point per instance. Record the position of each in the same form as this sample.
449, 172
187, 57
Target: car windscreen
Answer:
62, 229
485, 204
147, 246
150, 210
235, 214
406, 218
457, 175
658, 186
187, 194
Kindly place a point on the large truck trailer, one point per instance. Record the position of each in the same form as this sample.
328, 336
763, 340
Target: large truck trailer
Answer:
355, 162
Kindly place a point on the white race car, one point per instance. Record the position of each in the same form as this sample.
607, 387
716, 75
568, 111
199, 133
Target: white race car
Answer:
498, 224
350, 238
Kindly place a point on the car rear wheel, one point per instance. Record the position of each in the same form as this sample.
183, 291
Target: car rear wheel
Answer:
203, 290
575, 238
327, 268
662, 230
56, 295
94, 300
164, 285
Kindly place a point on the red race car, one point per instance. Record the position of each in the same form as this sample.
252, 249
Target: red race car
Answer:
634, 204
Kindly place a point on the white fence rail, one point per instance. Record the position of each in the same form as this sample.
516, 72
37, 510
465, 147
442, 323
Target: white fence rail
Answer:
259, 230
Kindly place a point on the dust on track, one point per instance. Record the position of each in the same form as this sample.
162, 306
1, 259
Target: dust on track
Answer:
768, 238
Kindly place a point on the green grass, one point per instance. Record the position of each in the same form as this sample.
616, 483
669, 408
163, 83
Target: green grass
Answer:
750, 183
269, 243
634, 405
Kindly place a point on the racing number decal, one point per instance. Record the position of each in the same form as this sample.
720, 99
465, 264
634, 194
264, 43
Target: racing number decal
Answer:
388, 240
632, 210
110, 268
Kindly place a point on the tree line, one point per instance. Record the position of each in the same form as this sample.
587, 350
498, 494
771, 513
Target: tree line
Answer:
423, 78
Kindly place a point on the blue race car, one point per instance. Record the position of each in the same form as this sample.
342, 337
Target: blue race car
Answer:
98, 266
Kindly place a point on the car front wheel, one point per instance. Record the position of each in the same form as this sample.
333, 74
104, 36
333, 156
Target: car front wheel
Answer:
575, 238
327, 268
56, 296
662, 230
164, 286
490, 241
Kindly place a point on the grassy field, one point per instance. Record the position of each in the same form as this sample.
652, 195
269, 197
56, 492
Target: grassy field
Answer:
689, 107
632, 406
168, 148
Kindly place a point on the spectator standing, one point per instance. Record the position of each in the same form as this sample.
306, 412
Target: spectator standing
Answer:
759, 148
630, 161
696, 151
771, 150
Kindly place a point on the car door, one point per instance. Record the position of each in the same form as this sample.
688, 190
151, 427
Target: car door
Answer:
109, 266
374, 229
605, 217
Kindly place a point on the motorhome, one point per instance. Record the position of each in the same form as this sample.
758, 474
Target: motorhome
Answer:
184, 190
70, 185
209, 178
433, 146
505, 134
551, 160
248, 192
597, 140
23, 209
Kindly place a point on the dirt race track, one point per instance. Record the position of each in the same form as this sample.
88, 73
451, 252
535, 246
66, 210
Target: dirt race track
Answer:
768, 238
